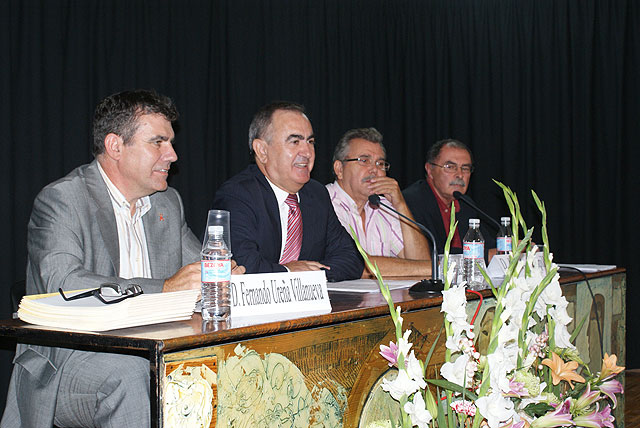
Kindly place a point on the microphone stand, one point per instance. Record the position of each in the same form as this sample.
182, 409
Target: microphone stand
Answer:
467, 200
432, 285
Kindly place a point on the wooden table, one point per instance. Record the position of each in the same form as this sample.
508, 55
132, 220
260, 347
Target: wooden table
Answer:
325, 369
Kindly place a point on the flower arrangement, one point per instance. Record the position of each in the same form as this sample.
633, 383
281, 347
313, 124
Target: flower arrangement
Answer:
531, 375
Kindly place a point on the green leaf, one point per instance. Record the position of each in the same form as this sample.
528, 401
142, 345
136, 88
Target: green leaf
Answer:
576, 331
453, 224
537, 409
430, 402
442, 411
450, 386
433, 347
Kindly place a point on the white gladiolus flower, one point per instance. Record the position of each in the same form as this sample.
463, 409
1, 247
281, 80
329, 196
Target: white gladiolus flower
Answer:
402, 385
500, 363
514, 305
399, 311
420, 416
414, 370
495, 409
450, 271
508, 334
562, 336
454, 303
560, 315
455, 371
453, 341
404, 345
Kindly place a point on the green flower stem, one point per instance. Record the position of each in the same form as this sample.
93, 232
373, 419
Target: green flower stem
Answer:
384, 290
545, 235
528, 311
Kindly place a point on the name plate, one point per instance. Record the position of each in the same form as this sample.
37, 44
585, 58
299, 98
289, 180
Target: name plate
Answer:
500, 263
279, 293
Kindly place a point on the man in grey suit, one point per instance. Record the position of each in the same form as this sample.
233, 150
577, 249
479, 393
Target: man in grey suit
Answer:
114, 220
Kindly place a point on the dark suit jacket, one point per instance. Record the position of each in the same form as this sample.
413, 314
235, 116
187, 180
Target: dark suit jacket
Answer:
424, 207
256, 231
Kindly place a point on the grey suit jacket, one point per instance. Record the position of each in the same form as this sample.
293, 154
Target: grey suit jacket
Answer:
73, 243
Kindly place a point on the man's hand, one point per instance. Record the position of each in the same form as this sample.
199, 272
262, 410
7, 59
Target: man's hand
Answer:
302, 265
388, 187
187, 278
237, 269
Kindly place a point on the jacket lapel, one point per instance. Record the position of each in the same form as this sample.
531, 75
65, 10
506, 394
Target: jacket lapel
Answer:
104, 213
273, 211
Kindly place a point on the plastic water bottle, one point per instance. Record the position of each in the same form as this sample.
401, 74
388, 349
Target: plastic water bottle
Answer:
473, 254
215, 276
503, 240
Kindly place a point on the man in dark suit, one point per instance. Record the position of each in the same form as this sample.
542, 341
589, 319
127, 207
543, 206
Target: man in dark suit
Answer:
281, 219
449, 166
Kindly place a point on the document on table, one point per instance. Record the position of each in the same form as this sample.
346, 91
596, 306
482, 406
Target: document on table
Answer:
588, 268
90, 314
368, 285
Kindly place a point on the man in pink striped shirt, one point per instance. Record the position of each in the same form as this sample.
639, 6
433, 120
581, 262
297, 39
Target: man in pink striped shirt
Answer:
360, 168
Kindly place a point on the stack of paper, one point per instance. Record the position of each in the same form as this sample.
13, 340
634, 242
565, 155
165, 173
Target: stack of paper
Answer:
90, 314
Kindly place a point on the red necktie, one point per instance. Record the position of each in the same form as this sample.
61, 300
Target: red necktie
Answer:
294, 231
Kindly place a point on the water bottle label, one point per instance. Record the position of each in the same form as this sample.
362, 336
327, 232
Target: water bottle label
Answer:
473, 250
215, 270
504, 244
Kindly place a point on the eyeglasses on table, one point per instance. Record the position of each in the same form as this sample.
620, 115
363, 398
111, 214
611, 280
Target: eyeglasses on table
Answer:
107, 293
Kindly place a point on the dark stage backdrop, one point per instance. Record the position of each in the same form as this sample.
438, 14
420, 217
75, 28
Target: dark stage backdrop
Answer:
545, 92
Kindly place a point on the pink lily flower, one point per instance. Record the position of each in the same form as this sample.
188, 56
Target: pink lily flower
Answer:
586, 399
558, 418
610, 388
596, 419
390, 353
514, 424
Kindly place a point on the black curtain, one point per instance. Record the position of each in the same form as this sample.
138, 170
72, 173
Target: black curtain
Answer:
545, 92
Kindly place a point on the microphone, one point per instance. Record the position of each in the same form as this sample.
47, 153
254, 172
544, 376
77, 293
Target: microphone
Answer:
467, 200
433, 284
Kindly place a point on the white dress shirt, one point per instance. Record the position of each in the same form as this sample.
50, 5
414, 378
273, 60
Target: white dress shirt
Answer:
132, 242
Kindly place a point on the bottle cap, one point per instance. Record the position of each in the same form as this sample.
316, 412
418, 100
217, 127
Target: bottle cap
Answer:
215, 230
474, 222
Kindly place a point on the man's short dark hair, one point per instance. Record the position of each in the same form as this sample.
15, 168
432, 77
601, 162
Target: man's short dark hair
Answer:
369, 134
119, 113
261, 122
434, 151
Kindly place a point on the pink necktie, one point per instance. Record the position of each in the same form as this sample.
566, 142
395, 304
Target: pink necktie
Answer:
294, 231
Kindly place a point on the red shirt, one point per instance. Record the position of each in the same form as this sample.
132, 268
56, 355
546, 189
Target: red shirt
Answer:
456, 242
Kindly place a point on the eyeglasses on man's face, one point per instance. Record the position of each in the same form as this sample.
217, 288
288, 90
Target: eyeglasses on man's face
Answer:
107, 293
452, 168
368, 162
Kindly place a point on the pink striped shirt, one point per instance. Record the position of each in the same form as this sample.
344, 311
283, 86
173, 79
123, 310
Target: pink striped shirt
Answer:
383, 235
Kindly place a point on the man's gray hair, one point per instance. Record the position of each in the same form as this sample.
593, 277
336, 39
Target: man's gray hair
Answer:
261, 122
434, 151
369, 134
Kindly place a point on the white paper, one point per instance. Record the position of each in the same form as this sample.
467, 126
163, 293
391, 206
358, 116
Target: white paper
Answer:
368, 285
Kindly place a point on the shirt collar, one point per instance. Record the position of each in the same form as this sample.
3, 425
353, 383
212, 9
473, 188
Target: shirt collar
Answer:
444, 207
281, 195
142, 205
344, 196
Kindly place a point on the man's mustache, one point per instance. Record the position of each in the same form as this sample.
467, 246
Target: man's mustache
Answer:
367, 178
457, 182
